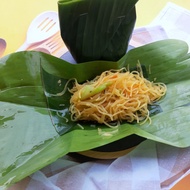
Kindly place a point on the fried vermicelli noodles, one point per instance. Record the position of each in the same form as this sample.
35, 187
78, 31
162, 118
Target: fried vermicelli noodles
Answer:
115, 95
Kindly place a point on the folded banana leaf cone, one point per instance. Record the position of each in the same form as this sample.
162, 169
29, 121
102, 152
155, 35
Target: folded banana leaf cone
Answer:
97, 29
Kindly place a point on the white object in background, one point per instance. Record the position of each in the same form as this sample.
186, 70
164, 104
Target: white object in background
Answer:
175, 21
54, 46
41, 28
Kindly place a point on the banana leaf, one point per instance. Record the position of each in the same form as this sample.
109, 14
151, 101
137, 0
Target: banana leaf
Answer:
29, 114
97, 29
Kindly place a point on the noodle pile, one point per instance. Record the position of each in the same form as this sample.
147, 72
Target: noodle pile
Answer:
115, 95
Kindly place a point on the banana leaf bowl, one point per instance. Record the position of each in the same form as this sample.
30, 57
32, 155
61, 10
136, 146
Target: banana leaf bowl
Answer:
36, 129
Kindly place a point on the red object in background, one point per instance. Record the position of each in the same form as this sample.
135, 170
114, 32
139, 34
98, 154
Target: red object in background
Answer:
183, 184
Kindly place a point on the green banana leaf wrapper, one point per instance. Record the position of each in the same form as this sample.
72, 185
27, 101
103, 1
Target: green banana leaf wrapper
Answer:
31, 120
97, 29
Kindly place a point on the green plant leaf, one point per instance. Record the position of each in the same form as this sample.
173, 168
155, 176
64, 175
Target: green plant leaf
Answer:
28, 139
97, 30
164, 60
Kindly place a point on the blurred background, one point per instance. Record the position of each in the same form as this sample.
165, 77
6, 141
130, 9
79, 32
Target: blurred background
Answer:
16, 16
